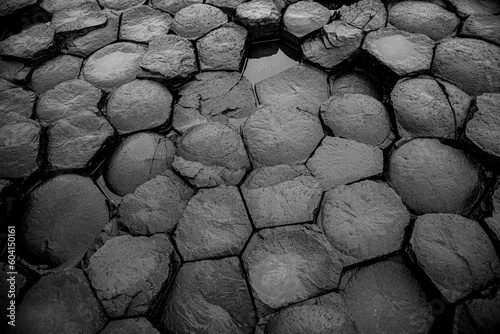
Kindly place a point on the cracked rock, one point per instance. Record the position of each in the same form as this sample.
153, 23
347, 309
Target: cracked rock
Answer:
363, 220
304, 17
30, 44
465, 8
61, 219
16, 100
139, 105
281, 195
209, 296
173, 6
484, 128
289, 264
355, 82
281, 136
478, 316
127, 272
197, 20
367, 15
55, 71
340, 161
133, 325
9, 7
78, 17
141, 24
302, 86
482, 26
455, 253
120, 5
431, 177
260, 17
14, 70
214, 224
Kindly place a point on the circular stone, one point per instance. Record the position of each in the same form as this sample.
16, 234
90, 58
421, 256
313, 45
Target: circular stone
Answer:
137, 159
139, 105
304, 17
197, 20
484, 128
120, 4
281, 136
363, 220
365, 14
357, 117
355, 82
114, 65
142, 23
173, 6
61, 219
455, 253
432, 177
55, 71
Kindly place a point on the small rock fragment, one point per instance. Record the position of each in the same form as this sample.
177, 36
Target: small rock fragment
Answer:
55, 71
142, 23
260, 17
197, 20
484, 128
30, 44
355, 82
133, 325
304, 17
78, 17
367, 15
482, 26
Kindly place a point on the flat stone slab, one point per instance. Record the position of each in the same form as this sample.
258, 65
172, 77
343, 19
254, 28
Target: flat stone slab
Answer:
355, 82
9, 7
277, 135
339, 161
134, 325
120, 5
455, 253
260, 17
478, 316
142, 23
16, 100
214, 224
304, 17
197, 20
78, 17
465, 8
403, 52
55, 71
289, 264
210, 294
30, 44
484, 128
482, 26
127, 272
173, 6
281, 195
432, 177
367, 15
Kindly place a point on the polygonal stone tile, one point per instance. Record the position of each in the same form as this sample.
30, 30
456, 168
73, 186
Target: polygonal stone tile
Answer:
355, 82
304, 17
367, 15
142, 23
55, 71
484, 128
260, 17
197, 20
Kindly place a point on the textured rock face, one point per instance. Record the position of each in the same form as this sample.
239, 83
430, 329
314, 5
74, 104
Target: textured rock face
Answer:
61, 218
386, 294
289, 264
16, 100
14, 70
478, 316
365, 14
355, 82
482, 26
211, 154
209, 296
465, 8
363, 220
197, 20
225, 4
78, 17
53, 6
127, 272
30, 44
301, 87
60, 303
214, 224
280, 136
173, 6
260, 17
431, 177
134, 325
340, 161
304, 17
9, 7
120, 4
455, 252
484, 128
281, 195
55, 71
470, 64
141, 24
493, 222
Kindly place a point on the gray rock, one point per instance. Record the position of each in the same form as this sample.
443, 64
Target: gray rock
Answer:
482, 26
431, 177
281, 136
17, 100
223, 48
340, 161
60, 303
61, 219
289, 264
9, 7
55, 71
225, 4
493, 222
197, 20
281, 195
367, 15
142, 23
171, 56
78, 17
302, 86
53, 6
127, 272
210, 297
155, 206
139, 105
120, 5
130, 326
214, 224
455, 253
478, 316
484, 128
470, 64
211, 154
30, 44
260, 17
465, 8
67, 99
138, 158
14, 70
304, 17
114, 65
173, 6
355, 82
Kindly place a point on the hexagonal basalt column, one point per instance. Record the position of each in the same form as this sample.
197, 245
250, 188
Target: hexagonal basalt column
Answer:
260, 17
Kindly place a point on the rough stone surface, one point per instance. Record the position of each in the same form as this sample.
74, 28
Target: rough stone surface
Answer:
484, 128
337, 42
211, 297
357, 117
131, 326
127, 272
211, 154
223, 48
478, 316
68, 98
401, 51
173, 6
302, 86
14, 70
385, 293
16, 100
455, 253
482, 26
53, 6
9, 7
60, 303
465, 8
426, 18
304, 17
139, 105
197, 20
114, 65
470, 64
281, 195
281, 136
225, 4
365, 14
289, 264
355, 82
431, 177
363, 220
155, 206
78, 17
171, 56
120, 5
260, 17
61, 218
141, 24
493, 222
30, 44
340, 161
55, 71
214, 224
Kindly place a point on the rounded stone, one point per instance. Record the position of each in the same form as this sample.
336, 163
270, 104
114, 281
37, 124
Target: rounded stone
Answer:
482, 26
304, 17
484, 128
367, 15
434, 178
78, 17
55, 71
257, 13
355, 82
31, 44
132, 326
465, 8
197, 20
142, 23
173, 6
120, 4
